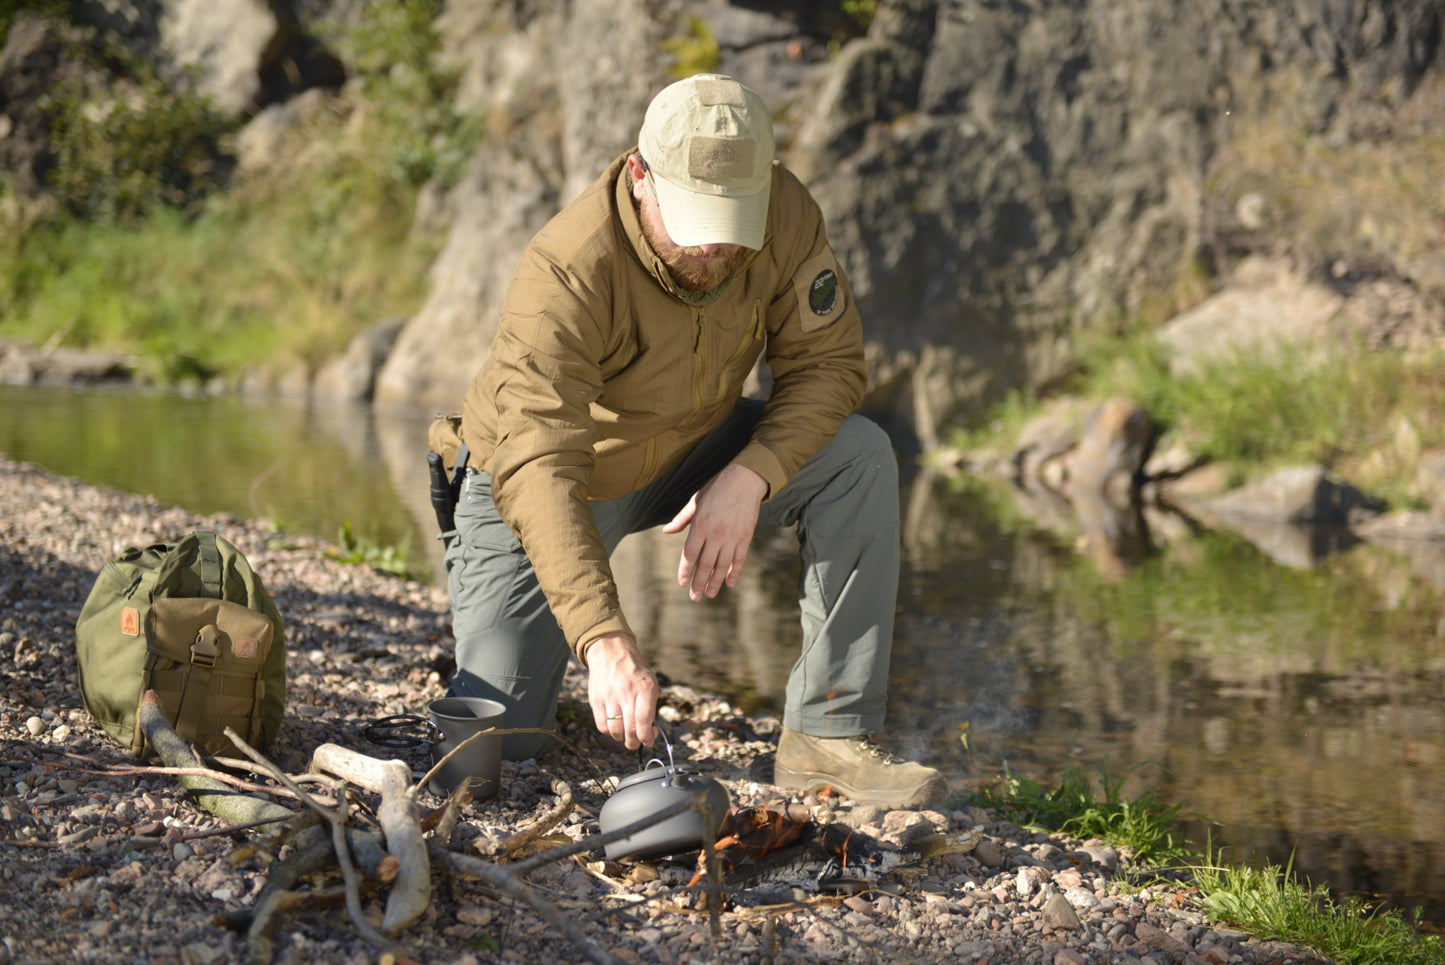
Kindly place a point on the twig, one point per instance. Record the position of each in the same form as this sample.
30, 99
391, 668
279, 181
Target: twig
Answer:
713, 890
489, 732
217, 796
523, 868
509, 884
348, 875
506, 847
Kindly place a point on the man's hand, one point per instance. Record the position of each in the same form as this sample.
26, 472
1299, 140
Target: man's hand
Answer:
722, 516
622, 690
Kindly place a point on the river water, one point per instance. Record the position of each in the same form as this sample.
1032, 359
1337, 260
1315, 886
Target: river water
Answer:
1296, 710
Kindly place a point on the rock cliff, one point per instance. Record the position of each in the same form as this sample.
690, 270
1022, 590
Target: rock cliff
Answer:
996, 176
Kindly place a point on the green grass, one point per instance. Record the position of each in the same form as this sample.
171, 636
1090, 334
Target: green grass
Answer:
1269, 902
361, 551
1366, 415
1144, 826
277, 270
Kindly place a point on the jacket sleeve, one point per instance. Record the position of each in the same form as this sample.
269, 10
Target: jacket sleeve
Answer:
545, 375
815, 344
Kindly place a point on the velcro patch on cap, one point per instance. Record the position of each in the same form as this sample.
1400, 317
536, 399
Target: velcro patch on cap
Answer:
712, 91
721, 159
819, 288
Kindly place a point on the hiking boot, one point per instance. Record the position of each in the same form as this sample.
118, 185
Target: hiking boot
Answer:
855, 767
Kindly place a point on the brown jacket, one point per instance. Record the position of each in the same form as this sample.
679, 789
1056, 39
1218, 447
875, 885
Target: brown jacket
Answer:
602, 377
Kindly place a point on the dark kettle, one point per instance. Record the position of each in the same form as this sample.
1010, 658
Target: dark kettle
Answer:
654, 789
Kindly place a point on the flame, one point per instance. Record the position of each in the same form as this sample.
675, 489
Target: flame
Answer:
751, 833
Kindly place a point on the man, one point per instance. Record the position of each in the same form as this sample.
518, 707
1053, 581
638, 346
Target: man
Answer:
611, 402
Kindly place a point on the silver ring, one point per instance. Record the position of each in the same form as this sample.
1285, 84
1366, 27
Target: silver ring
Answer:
614, 716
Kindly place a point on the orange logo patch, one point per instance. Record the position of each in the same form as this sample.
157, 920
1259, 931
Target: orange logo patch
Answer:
130, 621
245, 647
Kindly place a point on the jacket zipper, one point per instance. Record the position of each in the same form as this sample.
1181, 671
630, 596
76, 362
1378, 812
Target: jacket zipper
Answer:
699, 354
755, 333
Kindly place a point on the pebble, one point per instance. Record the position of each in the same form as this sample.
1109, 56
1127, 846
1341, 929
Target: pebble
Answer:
1060, 914
34, 726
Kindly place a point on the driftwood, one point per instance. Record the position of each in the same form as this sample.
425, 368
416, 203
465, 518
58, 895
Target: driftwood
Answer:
400, 824
218, 797
337, 821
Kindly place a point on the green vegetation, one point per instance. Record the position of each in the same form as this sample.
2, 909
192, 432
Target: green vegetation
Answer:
395, 560
1366, 414
146, 255
1144, 825
695, 52
145, 148
1269, 903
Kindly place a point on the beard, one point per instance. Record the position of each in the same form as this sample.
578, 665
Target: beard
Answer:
686, 265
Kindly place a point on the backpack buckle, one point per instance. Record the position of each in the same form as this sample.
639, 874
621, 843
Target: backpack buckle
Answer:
205, 650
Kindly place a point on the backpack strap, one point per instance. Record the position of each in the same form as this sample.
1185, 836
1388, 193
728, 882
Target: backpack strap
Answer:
196, 690
208, 563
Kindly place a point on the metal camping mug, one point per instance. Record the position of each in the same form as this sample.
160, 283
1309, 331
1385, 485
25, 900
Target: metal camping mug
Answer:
453, 720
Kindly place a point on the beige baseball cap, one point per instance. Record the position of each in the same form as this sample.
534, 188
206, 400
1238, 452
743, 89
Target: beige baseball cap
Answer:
708, 145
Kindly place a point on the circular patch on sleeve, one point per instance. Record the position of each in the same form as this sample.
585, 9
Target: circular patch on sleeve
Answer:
823, 292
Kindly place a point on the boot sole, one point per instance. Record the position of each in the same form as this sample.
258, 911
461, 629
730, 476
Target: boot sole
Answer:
899, 797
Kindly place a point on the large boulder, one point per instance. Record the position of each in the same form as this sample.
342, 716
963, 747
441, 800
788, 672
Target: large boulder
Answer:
241, 54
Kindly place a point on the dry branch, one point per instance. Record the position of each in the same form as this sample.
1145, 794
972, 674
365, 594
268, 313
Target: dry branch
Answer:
503, 848
337, 820
510, 885
218, 797
400, 823
225, 802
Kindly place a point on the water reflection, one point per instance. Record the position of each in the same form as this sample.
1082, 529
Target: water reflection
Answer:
1298, 707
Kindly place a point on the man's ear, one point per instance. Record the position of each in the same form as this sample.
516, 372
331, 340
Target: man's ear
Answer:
637, 170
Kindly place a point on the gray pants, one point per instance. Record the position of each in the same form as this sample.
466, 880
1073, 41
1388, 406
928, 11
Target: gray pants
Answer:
845, 503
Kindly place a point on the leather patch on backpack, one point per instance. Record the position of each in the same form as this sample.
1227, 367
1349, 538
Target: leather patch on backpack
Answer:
819, 287
130, 621
245, 647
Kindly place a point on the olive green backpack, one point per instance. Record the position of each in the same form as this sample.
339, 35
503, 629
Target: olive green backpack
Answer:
192, 621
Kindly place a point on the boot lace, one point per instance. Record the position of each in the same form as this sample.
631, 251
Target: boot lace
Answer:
866, 745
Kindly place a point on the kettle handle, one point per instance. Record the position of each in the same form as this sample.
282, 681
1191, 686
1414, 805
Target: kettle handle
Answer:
645, 762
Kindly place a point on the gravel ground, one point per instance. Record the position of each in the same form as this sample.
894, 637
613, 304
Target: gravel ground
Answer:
101, 862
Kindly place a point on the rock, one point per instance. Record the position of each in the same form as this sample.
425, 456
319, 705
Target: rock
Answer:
1430, 481
1157, 938
1296, 495
1269, 312
1059, 914
990, 853
351, 376
1112, 449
